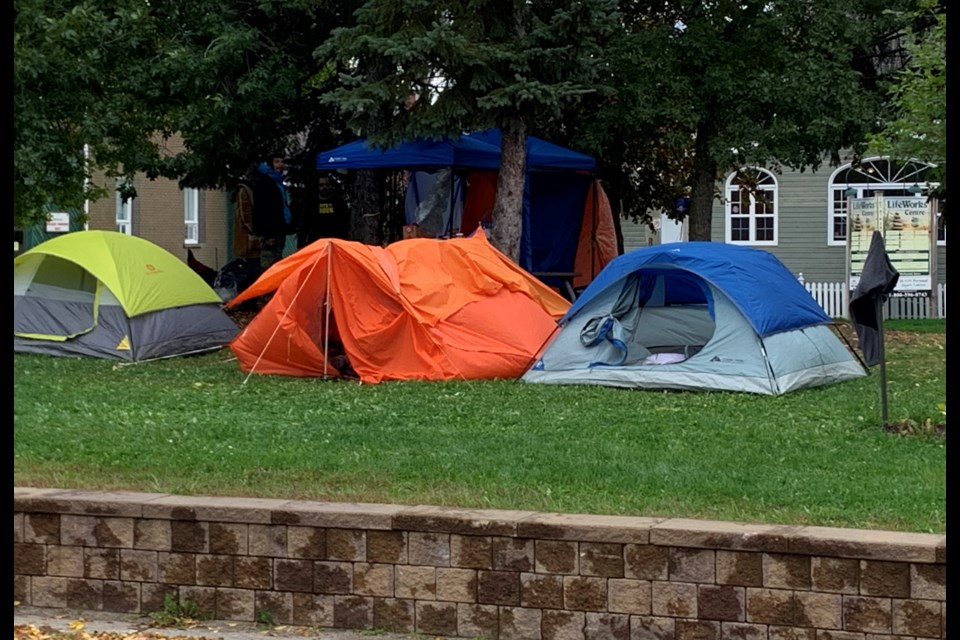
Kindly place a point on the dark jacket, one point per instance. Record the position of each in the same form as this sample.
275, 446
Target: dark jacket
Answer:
268, 206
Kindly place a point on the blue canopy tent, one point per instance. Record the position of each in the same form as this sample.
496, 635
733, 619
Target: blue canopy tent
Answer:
557, 185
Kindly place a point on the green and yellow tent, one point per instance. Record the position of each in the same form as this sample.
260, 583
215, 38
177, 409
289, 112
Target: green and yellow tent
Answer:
110, 295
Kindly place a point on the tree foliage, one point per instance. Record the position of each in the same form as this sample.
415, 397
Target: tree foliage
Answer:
470, 65
916, 124
706, 88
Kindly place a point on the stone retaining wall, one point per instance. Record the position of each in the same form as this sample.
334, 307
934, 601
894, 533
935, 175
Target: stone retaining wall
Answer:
474, 573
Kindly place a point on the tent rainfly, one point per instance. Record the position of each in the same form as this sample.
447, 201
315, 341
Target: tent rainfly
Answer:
418, 309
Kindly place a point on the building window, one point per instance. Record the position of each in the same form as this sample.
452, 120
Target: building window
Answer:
124, 211
751, 207
871, 177
191, 216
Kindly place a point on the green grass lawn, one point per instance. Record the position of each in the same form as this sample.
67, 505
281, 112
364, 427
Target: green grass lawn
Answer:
199, 426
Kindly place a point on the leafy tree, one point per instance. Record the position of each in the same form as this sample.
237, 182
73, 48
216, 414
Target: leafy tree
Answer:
470, 65
916, 128
237, 79
705, 88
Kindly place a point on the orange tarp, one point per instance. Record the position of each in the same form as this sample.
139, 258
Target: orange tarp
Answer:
598, 238
418, 309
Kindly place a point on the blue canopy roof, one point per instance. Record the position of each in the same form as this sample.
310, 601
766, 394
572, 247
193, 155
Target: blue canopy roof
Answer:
765, 291
479, 150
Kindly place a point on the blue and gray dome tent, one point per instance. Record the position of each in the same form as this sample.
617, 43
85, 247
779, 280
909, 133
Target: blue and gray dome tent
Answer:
696, 316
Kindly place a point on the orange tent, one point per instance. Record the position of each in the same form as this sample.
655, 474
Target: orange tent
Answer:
418, 309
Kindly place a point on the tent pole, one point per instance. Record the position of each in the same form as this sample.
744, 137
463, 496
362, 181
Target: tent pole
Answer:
326, 319
883, 361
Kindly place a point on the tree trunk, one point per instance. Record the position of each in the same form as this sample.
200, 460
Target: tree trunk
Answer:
703, 188
508, 207
365, 212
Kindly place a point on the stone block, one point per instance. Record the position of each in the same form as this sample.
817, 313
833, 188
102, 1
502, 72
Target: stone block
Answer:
352, 612
603, 559
312, 610
253, 572
456, 585
513, 554
64, 561
393, 614
102, 564
697, 630
479, 522
562, 625
227, 538
78, 530
201, 599
740, 568
189, 537
772, 606
330, 577
541, 591
151, 534
387, 546
629, 596
347, 545
652, 628
775, 632
41, 528
236, 604
439, 618
114, 532
786, 571
85, 594
835, 575
867, 615
273, 606
731, 536
885, 579
726, 603
742, 631
18, 533
582, 593
419, 583
520, 624
48, 592
177, 568
608, 626
373, 579
296, 575
555, 556
215, 571
498, 587
692, 565
121, 597
894, 546
919, 618
478, 621
307, 543
138, 565
673, 599
587, 528
471, 552
927, 581
153, 595
432, 549
646, 561
336, 515
267, 540
819, 610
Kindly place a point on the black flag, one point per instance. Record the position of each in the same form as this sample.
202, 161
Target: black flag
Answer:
877, 281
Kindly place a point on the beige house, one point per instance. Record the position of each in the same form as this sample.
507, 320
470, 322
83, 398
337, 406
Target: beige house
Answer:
176, 219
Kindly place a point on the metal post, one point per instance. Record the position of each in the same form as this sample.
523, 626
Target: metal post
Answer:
883, 361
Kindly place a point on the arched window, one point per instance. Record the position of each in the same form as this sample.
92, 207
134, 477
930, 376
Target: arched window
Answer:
751, 207
870, 177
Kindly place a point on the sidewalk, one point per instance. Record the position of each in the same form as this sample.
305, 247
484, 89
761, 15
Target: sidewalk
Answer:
37, 623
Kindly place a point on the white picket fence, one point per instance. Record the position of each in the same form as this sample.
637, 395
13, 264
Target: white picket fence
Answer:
832, 297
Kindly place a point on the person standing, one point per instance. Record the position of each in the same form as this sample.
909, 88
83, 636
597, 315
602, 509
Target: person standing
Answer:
330, 218
272, 219
246, 244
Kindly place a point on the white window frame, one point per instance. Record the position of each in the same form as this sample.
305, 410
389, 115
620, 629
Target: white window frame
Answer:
191, 216
758, 210
872, 177
123, 212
